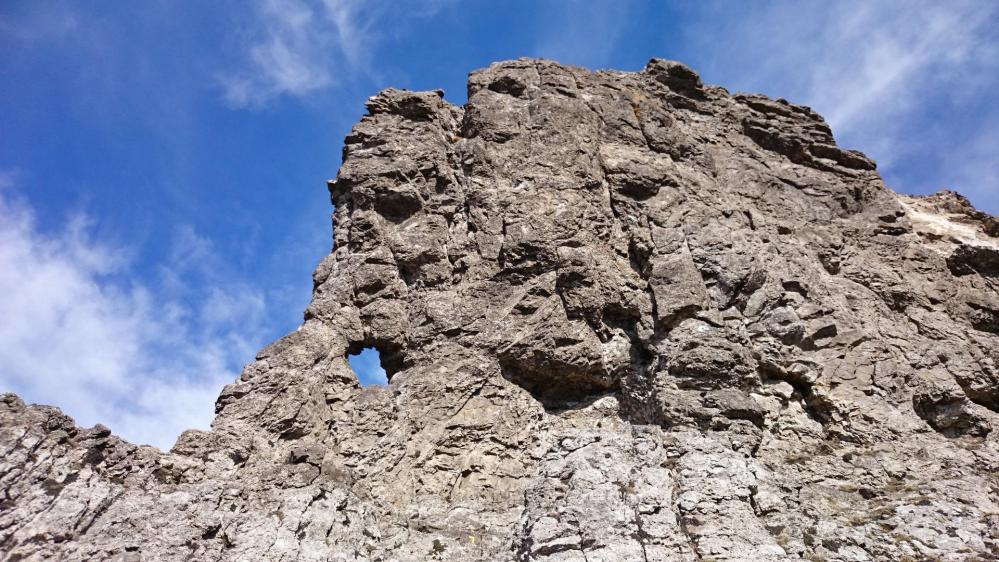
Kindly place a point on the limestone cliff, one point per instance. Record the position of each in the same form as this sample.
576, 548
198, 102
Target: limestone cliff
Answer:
626, 316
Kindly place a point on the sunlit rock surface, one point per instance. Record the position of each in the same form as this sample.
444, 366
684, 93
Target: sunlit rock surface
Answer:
626, 316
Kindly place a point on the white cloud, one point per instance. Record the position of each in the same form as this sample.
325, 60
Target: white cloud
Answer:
299, 47
146, 361
287, 56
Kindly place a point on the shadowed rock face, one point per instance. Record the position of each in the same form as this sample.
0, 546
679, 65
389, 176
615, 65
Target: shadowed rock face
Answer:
626, 316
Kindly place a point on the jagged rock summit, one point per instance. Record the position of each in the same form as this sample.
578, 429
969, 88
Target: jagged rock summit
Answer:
626, 316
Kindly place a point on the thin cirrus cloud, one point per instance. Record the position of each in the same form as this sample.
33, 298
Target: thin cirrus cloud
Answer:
299, 47
286, 56
146, 361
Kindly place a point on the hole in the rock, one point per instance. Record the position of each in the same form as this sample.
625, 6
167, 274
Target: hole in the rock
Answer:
367, 365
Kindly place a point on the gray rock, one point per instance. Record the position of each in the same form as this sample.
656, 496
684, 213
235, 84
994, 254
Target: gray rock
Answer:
626, 316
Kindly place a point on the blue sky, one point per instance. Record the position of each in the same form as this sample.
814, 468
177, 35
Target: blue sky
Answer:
163, 163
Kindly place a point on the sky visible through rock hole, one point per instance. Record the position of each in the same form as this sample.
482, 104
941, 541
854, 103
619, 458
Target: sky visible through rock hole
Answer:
368, 366
163, 163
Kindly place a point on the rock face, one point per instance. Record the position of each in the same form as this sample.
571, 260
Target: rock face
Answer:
626, 316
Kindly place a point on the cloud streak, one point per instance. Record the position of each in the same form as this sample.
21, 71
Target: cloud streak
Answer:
299, 47
148, 361
286, 55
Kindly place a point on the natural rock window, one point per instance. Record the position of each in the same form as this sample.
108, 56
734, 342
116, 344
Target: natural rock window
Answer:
367, 365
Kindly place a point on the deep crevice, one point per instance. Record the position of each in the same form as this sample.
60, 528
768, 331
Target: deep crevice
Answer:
568, 391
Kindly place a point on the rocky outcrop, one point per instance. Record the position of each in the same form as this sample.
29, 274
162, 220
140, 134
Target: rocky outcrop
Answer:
626, 316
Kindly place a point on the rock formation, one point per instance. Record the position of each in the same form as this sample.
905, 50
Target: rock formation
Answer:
626, 316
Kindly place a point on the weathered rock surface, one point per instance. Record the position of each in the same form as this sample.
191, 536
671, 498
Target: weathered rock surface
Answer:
627, 316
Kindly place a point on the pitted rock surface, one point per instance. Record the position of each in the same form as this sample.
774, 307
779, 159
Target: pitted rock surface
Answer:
626, 316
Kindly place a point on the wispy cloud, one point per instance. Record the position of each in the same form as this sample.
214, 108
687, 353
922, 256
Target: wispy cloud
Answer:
298, 47
290, 54
882, 73
146, 360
